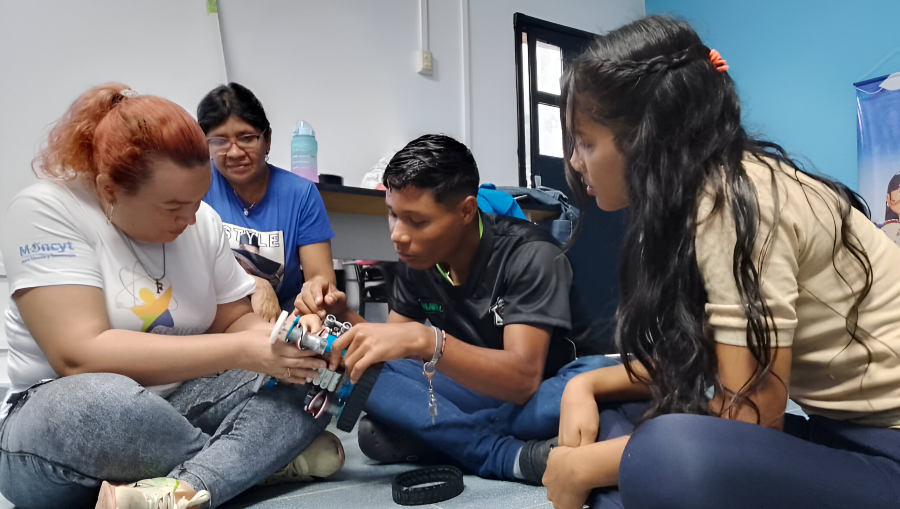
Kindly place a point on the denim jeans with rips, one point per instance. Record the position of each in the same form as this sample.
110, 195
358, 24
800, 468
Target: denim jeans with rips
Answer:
62, 439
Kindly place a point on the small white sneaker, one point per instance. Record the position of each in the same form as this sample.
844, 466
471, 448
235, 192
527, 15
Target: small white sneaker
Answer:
323, 457
158, 493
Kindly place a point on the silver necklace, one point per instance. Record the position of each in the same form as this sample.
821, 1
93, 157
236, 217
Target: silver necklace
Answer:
247, 208
159, 285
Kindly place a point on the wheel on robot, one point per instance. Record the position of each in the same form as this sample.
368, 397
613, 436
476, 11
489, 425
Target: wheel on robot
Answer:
356, 401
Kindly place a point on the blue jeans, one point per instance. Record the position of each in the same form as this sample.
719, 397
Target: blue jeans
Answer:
480, 433
700, 462
63, 438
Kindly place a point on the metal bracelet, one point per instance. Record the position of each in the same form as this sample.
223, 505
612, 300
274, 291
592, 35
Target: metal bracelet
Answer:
438, 345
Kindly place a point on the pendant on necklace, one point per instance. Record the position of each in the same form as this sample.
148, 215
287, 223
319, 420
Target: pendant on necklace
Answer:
159, 286
246, 212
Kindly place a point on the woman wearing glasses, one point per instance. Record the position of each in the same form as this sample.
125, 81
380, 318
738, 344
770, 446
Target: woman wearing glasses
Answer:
275, 221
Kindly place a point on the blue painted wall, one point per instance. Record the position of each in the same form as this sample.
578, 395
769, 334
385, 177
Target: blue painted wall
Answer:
795, 63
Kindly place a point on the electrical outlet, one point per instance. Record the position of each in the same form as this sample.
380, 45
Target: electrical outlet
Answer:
425, 63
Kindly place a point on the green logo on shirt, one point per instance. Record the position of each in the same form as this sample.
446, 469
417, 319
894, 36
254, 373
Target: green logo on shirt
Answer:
431, 307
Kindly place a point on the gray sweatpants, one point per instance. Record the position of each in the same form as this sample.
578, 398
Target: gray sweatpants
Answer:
61, 439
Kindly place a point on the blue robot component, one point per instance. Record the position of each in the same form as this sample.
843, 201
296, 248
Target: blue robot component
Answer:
331, 393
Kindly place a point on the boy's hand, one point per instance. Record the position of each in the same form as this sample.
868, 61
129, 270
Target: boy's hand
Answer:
371, 343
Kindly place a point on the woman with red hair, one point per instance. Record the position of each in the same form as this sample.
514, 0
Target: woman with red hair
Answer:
134, 349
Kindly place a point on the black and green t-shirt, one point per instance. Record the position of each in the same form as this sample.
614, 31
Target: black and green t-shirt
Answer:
519, 275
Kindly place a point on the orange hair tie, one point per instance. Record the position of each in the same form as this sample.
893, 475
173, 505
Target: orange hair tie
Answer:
717, 61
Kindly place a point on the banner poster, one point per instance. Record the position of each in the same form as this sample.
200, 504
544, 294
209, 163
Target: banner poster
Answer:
878, 150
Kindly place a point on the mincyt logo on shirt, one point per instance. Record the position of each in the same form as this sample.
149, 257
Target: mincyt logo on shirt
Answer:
40, 250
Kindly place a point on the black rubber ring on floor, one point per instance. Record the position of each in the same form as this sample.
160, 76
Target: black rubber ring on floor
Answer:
445, 482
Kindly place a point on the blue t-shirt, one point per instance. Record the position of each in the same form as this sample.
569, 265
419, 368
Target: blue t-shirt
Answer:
266, 239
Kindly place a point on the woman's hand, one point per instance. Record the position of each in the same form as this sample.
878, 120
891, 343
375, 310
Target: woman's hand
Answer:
563, 478
579, 420
284, 361
320, 297
264, 301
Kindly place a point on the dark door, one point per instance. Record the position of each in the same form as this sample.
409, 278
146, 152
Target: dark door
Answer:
542, 49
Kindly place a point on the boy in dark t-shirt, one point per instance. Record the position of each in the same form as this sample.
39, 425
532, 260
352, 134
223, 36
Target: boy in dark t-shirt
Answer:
504, 333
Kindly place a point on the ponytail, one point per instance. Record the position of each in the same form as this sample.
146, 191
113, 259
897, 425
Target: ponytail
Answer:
70, 144
111, 129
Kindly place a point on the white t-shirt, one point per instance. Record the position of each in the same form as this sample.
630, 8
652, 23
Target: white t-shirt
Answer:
55, 233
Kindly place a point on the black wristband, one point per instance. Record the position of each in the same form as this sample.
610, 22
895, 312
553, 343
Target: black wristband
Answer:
444, 483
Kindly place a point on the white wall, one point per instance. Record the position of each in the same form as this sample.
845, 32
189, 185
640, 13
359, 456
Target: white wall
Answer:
347, 68
494, 136
53, 50
4, 345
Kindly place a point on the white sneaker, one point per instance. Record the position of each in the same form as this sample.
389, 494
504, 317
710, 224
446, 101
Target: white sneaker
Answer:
158, 493
323, 457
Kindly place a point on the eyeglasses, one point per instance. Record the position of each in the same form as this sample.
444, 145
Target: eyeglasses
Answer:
247, 142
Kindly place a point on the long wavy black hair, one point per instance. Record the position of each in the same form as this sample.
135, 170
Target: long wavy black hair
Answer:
677, 121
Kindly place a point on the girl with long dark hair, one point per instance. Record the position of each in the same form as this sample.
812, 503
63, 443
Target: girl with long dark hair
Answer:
743, 280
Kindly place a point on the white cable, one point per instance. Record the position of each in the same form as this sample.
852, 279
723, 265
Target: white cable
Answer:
217, 35
423, 25
466, 76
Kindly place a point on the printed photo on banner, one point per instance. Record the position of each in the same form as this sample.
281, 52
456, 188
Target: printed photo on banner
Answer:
878, 150
261, 254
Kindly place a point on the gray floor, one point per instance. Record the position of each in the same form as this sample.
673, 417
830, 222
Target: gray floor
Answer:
363, 484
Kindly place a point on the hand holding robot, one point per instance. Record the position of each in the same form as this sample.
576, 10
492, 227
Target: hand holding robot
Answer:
331, 393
